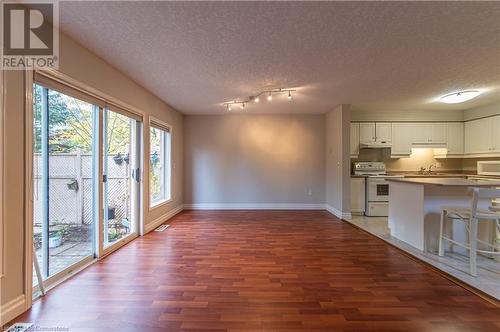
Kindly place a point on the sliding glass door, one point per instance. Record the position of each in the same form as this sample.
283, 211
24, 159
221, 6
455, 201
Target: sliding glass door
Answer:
85, 179
63, 157
120, 180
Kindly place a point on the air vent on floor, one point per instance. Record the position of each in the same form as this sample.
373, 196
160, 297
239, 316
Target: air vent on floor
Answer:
20, 327
162, 228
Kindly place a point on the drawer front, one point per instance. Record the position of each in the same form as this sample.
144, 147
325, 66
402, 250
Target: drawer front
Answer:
377, 209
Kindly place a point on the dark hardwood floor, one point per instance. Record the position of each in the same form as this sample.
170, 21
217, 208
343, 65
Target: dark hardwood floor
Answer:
261, 271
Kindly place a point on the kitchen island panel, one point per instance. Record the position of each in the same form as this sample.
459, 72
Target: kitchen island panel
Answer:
415, 212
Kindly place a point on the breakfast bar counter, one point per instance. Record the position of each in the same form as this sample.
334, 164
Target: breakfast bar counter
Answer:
415, 208
448, 182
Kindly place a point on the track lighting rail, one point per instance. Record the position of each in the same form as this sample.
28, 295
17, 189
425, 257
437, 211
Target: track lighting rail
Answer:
256, 98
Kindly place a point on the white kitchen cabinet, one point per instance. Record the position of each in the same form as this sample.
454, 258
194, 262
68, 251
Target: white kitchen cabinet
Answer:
402, 138
371, 132
358, 195
482, 137
429, 133
366, 132
383, 132
354, 141
438, 133
422, 133
496, 134
455, 138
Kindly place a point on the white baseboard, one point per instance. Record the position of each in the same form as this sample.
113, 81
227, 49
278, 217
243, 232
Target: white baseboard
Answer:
158, 221
339, 214
253, 206
12, 309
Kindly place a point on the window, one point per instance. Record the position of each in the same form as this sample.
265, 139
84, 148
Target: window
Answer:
159, 164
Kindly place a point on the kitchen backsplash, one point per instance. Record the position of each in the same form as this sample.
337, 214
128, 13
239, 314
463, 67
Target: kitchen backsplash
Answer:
419, 158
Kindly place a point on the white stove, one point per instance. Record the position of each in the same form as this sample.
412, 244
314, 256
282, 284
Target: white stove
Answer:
377, 188
369, 168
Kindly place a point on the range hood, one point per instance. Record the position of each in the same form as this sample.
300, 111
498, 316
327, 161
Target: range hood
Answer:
375, 145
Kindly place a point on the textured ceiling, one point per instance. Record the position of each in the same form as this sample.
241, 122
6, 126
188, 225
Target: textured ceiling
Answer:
373, 55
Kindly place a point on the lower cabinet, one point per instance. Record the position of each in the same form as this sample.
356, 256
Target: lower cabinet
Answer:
358, 196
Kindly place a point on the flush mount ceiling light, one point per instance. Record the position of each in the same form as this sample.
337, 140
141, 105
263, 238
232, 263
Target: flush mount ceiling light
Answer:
256, 98
460, 97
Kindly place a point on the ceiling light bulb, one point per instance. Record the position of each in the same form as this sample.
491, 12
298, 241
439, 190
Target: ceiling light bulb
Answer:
270, 97
289, 95
459, 97
256, 99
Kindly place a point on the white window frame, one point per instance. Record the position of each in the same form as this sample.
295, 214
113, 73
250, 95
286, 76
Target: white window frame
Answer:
28, 239
2, 151
166, 159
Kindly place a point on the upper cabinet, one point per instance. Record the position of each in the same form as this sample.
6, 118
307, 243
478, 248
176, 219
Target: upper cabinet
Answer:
383, 132
470, 139
438, 133
482, 136
375, 132
402, 136
496, 133
429, 133
455, 138
354, 139
366, 132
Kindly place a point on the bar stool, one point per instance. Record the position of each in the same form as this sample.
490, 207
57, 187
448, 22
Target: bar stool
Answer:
470, 217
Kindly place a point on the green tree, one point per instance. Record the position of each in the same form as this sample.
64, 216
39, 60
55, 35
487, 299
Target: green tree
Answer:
71, 125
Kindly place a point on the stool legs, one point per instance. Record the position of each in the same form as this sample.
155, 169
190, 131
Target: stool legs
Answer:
473, 246
441, 233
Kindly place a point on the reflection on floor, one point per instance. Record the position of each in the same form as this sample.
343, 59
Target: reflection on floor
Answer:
456, 265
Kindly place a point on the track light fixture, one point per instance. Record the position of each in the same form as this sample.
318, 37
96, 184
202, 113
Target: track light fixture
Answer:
256, 98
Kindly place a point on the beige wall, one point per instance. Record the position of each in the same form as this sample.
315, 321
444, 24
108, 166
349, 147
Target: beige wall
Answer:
80, 64
337, 160
483, 111
84, 66
12, 285
254, 159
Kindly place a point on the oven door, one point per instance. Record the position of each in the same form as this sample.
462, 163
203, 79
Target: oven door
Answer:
378, 190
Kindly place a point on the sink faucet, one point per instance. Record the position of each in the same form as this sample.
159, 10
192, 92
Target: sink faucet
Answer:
430, 168
422, 170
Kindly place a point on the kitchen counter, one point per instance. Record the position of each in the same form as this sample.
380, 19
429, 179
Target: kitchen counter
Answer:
415, 209
450, 182
435, 175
